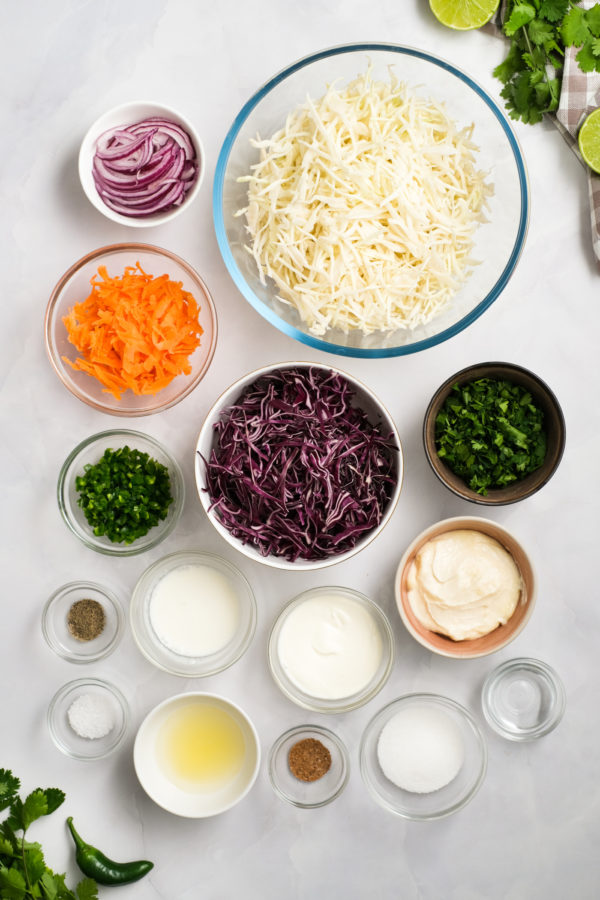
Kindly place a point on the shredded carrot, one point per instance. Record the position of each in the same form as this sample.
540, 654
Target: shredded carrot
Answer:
134, 331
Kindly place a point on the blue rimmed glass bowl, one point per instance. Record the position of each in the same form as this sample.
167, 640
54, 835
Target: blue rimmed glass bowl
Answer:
498, 242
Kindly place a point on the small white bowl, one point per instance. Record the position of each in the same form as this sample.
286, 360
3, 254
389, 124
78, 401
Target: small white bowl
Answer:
129, 114
199, 801
377, 415
164, 657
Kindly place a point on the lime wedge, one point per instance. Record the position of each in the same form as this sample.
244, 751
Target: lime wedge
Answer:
464, 14
589, 140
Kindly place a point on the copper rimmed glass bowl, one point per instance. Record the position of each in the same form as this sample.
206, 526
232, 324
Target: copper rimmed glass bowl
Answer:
74, 286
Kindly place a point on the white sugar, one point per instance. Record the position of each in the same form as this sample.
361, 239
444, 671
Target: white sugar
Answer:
91, 716
420, 749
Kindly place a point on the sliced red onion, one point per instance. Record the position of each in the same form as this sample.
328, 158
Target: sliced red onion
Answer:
144, 168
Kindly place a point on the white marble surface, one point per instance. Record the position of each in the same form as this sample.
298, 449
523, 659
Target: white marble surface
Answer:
532, 832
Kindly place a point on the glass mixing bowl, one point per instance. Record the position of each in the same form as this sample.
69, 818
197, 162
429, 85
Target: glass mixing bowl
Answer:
497, 244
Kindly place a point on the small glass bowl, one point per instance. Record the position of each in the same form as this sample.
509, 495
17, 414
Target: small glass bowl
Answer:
308, 794
343, 704
161, 655
74, 286
523, 699
64, 736
434, 804
90, 451
56, 630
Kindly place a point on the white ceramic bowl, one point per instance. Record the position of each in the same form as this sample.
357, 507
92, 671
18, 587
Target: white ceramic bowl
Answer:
377, 415
129, 114
164, 657
198, 801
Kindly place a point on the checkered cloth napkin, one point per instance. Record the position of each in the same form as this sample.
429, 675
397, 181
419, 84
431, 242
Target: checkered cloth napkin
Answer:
579, 95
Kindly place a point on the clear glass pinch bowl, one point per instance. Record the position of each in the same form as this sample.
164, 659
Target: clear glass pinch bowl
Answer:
498, 242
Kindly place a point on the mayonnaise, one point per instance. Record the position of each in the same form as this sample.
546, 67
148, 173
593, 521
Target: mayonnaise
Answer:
329, 646
463, 584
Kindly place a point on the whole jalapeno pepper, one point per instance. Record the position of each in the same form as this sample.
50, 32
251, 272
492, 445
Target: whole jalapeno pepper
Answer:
96, 865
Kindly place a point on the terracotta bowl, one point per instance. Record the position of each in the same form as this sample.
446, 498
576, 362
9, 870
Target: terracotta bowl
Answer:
554, 424
495, 640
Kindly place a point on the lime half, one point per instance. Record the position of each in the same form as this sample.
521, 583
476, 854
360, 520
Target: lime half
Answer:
589, 140
464, 14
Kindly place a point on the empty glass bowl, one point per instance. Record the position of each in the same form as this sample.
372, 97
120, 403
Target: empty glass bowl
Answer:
308, 794
61, 638
98, 702
89, 452
523, 699
434, 804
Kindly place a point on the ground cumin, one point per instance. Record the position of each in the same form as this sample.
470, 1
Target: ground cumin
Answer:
86, 619
309, 759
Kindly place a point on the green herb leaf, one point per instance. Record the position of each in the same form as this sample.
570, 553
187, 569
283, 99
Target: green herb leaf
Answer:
12, 884
554, 10
574, 29
87, 889
521, 14
9, 786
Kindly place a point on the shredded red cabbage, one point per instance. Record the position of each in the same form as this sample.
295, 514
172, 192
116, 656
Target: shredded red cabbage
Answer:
297, 469
144, 168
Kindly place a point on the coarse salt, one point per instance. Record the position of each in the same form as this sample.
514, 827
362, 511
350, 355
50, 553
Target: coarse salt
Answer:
420, 749
91, 716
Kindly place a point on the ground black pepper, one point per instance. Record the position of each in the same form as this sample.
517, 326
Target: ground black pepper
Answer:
309, 759
86, 619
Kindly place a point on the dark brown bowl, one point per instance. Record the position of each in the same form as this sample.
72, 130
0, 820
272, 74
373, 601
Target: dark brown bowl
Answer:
554, 426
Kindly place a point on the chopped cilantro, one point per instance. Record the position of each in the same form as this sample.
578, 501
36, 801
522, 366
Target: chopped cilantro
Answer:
490, 433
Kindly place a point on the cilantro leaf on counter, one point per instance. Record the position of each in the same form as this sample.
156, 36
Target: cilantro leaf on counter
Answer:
539, 33
490, 433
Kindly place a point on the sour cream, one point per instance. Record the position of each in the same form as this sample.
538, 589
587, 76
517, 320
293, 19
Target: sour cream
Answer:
194, 610
330, 646
463, 584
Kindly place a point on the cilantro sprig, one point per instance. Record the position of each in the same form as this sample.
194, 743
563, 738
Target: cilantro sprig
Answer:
490, 433
24, 874
539, 32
